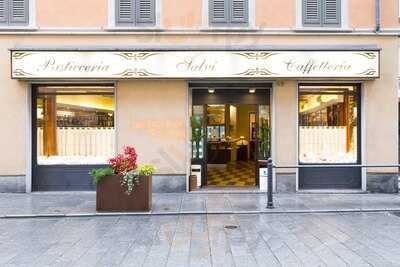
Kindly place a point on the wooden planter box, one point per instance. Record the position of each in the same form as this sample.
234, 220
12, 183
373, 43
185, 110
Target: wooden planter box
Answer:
110, 195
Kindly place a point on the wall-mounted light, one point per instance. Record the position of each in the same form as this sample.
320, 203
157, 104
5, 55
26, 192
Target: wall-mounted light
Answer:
211, 91
252, 90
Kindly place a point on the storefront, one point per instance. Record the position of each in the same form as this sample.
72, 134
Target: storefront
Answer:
302, 105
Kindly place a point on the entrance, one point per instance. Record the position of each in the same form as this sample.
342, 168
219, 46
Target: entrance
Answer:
235, 121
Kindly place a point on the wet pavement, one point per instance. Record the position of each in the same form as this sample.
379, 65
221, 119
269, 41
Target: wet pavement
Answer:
333, 239
84, 203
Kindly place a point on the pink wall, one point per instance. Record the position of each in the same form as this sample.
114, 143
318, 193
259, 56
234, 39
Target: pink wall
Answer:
390, 13
361, 13
71, 13
275, 13
181, 13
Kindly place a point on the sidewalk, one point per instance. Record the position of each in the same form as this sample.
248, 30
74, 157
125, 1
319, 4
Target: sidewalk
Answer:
84, 203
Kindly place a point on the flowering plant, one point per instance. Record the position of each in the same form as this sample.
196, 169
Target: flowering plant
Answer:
124, 166
124, 163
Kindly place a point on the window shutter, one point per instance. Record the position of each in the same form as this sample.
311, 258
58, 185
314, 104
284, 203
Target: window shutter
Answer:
145, 12
124, 12
19, 10
331, 12
3, 11
312, 12
239, 11
218, 11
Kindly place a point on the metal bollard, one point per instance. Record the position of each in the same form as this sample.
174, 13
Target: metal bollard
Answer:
270, 203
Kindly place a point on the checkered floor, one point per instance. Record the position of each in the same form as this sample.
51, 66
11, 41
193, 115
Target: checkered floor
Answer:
240, 173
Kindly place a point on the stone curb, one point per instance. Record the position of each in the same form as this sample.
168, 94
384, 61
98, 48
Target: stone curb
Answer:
272, 211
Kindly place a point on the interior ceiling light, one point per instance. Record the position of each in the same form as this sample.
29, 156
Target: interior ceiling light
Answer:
211, 91
252, 90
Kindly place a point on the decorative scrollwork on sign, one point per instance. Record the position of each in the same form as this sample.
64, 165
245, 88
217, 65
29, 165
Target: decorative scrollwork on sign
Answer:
369, 55
368, 72
256, 55
19, 55
135, 73
135, 55
20, 73
256, 72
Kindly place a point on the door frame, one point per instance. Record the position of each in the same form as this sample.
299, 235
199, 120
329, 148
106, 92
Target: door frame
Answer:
267, 100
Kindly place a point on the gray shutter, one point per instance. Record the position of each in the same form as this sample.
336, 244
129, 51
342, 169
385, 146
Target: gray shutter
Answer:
125, 14
218, 11
332, 12
3, 11
239, 11
145, 12
19, 10
312, 13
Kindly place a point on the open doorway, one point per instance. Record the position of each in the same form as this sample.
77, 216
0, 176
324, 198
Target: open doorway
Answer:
231, 139
232, 119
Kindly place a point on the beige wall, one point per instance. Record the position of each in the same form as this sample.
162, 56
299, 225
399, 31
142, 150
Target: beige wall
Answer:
390, 13
71, 13
166, 99
275, 13
361, 13
188, 14
152, 117
285, 124
181, 14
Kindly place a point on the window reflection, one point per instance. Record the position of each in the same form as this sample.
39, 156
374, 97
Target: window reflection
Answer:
328, 124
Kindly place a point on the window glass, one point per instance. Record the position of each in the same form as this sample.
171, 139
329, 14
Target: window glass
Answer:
75, 125
328, 124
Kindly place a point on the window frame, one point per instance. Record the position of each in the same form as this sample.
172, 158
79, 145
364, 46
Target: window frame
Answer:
114, 26
31, 22
33, 116
358, 96
208, 25
342, 27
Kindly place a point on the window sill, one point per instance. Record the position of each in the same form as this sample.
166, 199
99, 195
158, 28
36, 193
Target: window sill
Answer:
322, 29
18, 28
134, 29
229, 29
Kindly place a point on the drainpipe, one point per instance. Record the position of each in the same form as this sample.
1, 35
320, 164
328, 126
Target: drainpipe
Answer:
377, 15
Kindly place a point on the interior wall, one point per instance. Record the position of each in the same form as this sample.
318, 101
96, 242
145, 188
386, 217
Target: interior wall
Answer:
151, 116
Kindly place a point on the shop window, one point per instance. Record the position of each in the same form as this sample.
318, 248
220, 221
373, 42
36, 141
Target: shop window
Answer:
329, 124
322, 13
229, 13
14, 12
74, 125
135, 12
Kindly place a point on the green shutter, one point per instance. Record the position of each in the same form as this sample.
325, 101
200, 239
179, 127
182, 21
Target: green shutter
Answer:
312, 13
218, 11
18, 12
331, 11
3, 12
125, 12
145, 12
239, 11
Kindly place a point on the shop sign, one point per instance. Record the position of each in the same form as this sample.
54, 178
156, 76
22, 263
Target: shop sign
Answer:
194, 64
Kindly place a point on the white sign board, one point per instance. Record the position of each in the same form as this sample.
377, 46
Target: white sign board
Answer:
194, 64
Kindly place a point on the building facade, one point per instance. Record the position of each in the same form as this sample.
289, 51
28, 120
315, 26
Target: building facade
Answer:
310, 83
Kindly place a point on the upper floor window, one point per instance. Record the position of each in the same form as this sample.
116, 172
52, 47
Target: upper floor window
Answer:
14, 12
135, 12
229, 12
322, 13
